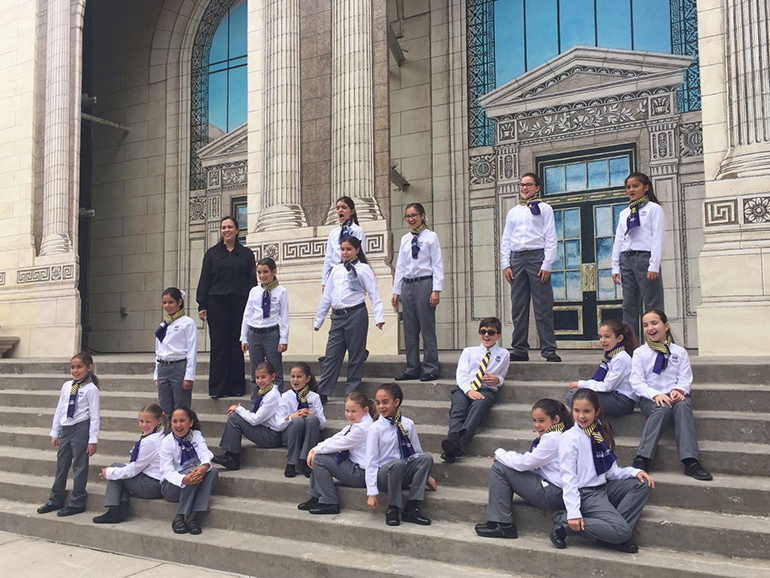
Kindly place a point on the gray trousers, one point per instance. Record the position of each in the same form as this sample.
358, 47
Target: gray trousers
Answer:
657, 420
610, 512
505, 481
347, 333
236, 428
638, 292
171, 395
525, 266
264, 347
300, 437
325, 469
191, 498
73, 450
141, 485
397, 475
465, 414
419, 317
613, 404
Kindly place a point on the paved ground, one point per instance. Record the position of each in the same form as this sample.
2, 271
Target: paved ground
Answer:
23, 557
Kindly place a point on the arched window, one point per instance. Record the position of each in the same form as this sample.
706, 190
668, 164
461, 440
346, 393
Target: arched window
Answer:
219, 85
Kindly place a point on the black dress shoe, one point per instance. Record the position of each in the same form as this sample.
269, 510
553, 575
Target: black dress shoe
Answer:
322, 358
228, 460
553, 358
193, 527
558, 537
698, 472
450, 459
391, 516
497, 530
406, 377
322, 509
111, 516
641, 463
429, 377
49, 507
70, 511
179, 527
515, 357
627, 547
290, 471
451, 447
309, 505
415, 517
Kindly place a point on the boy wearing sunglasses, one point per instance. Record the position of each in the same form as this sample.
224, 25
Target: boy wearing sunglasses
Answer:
480, 373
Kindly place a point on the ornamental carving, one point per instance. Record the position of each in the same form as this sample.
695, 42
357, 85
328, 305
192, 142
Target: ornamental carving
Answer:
571, 121
213, 178
691, 140
482, 169
722, 212
756, 210
234, 175
507, 164
660, 106
197, 209
582, 70
270, 251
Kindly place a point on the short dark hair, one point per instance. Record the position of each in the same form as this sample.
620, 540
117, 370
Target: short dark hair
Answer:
492, 322
533, 176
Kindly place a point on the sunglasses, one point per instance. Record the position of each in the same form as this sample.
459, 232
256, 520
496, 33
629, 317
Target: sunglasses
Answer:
490, 332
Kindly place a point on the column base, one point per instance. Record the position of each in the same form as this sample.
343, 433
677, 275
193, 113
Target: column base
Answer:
367, 209
744, 162
55, 245
280, 217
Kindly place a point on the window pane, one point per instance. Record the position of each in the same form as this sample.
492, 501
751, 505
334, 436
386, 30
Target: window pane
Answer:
217, 103
616, 210
558, 217
576, 24
652, 25
606, 285
618, 171
554, 180
576, 177
604, 252
558, 264
574, 287
597, 174
218, 51
572, 224
238, 30
613, 18
557, 284
542, 33
603, 221
238, 96
509, 40
572, 253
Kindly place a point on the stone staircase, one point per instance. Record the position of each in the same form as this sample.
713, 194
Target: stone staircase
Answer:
689, 528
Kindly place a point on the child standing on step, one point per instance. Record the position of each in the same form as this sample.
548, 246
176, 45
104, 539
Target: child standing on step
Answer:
176, 351
342, 456
348, 227
75, 433
637, 250
395, 460
142, 475
418, 282
261, 425
302, 419
480, 374
265, 327
345, 292
662, 378
612, 380
535, 475
601, 499
188, 476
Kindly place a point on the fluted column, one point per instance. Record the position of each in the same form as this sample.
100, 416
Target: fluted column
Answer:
281, 201
56, 163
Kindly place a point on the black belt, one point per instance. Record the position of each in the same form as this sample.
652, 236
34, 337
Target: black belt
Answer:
599, 487
416, 279
263, 329
632, 253
164, 362
349, 309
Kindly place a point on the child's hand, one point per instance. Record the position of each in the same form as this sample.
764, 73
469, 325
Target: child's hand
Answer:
190, 479
202, 315
645, 477
156, 383
394, 303
371, 501
103, 474
187, 384
296, 414
573, 385
663, 399
282, 347
676, 395
489, 379
91, 450
316, 328
652, 276
508, 274
576, 524
232, 408
473, 394
379, 325
435, 297
309, 459
55, 442
616, 278
244, 347
544, 276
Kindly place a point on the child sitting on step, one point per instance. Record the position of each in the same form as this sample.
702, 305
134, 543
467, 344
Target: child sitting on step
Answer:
75, 432
480, 374
142, 475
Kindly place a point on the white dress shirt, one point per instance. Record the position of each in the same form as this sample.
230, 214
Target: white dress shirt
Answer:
86, 408
333, 255
543, 460
470, 361
428, 261
618, 377
289, 403
677, 375
268, 413
576, 462
648, 236
171, 457
147, 462
338, 294
351, 438
181, 342
382, 447
279, 313
526, 232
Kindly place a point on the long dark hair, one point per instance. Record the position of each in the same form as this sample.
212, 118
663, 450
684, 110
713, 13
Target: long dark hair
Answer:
356, 243
645, 180
593, 398
88, 361
552, 408
305, 368
237, 228
363, 401
196, 423
351, 205
394, 390
630, 341
663, 318
175, 294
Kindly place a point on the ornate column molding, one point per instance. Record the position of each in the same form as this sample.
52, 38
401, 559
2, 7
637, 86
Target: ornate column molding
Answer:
281, 202
57, 149
664, 147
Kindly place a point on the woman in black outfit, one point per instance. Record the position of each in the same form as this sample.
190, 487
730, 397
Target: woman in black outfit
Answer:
229, 273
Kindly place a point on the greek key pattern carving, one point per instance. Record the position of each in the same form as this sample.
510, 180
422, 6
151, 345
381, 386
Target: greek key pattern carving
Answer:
44, 274
756, 210
482, 169
722, 212
573, 121
197, 209
375, 244
2, 277
310, 249
691, 140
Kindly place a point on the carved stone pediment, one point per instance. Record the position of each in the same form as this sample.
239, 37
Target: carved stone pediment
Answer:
228, 148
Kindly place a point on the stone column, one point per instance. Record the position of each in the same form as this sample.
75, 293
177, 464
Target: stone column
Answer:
57, 146
352, 158
282, 184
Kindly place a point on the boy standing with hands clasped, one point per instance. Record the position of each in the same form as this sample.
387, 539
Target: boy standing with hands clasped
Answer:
480, 373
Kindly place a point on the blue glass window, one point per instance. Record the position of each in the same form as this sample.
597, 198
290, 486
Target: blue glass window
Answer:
227, 72
606, 223
586, 175
565, 271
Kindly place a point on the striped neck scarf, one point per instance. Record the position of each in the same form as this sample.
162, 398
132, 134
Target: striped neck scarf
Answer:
532, 204
405, 444
416, 233
189, 457
302, 402
604, 366
266, 288
261, 393
604, 457
477, 383
633, 217
346, 229
135, 449
663, 350
555, 427
73, 401
350, 265
160, 332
